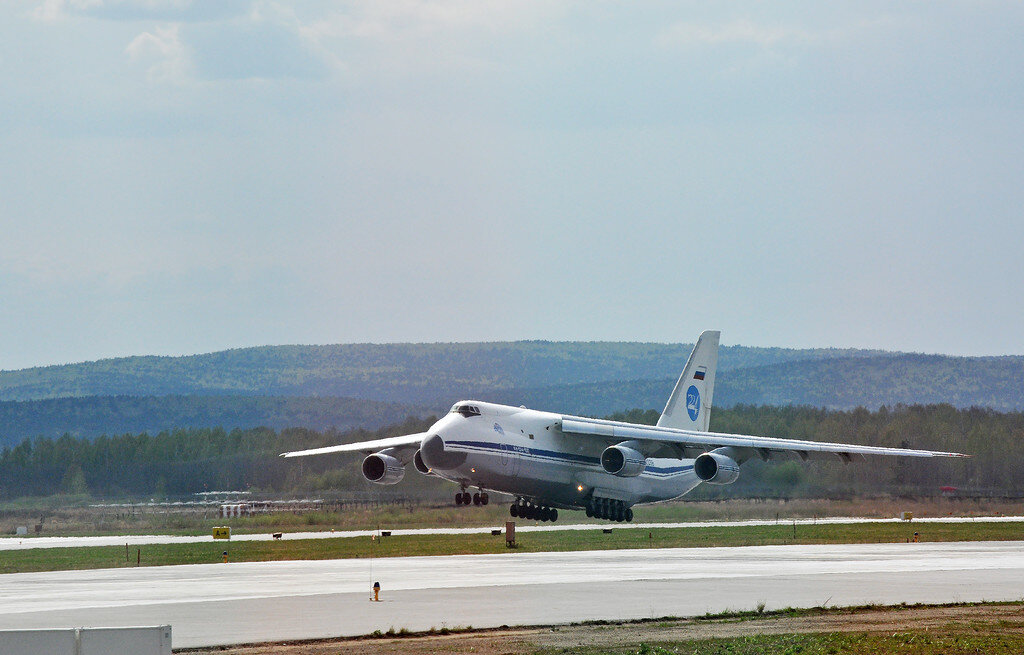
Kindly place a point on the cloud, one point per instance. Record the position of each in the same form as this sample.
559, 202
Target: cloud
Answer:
133, 10
165, 53
52, 10
416, 36
256, 47
401, 19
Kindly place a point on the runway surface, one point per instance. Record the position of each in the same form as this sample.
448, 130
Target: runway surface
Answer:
213, 604
24, 543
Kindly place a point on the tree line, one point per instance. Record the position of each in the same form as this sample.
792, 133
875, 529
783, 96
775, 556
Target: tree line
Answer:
177, 463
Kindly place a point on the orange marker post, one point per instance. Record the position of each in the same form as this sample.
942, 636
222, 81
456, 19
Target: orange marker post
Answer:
376, 592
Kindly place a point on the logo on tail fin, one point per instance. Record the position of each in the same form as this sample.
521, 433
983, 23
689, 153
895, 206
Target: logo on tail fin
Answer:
692, 402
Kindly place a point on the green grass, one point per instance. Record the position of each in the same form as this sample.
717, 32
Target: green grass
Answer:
66, 520
53, 559
904, 643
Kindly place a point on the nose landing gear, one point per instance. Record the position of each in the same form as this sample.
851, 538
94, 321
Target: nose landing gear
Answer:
478, 498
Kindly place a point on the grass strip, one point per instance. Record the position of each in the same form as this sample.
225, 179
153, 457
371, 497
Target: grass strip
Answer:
92, 557
988, 626
828, 643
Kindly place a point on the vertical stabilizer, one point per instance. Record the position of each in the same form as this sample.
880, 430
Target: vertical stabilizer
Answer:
689, 406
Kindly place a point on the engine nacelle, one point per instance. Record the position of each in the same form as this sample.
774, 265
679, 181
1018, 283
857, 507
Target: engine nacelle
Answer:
623, 461
383, 469
417, 461
716, 468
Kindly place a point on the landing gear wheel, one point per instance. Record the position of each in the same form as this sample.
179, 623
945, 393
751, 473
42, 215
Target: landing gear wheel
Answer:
458, 499
476, 499
514, 510
484, 498
590, 511
554, 514
629, 516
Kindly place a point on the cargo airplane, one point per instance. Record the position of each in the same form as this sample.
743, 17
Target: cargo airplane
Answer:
555, 461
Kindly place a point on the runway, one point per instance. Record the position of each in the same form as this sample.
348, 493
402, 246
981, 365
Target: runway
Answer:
26, 543
213, 604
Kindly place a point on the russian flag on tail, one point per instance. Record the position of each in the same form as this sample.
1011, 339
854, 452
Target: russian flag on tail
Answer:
701, 370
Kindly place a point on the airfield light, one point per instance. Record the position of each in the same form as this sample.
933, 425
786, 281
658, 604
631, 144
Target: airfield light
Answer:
579, 487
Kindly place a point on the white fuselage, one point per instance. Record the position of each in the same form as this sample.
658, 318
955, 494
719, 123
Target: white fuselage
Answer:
523, 452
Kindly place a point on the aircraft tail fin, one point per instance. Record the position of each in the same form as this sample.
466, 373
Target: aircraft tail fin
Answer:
689, 406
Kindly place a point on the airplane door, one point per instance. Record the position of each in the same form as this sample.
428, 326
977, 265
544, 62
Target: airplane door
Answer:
509, 460
513, 461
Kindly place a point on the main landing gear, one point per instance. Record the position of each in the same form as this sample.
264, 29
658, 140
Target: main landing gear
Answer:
526, 510
606, 508
465, 498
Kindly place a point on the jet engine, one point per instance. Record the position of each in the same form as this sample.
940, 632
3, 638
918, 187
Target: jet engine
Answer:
383, 469
623, 461
417, 461
433, 454
716, 468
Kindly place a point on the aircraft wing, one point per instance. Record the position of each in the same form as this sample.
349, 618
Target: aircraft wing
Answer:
697, 442
402, 442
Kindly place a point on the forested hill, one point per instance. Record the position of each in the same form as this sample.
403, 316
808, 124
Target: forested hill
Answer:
408, 373
346, 386
841, 383
92, 416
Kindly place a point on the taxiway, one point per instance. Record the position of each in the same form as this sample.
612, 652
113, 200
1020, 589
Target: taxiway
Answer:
29, 542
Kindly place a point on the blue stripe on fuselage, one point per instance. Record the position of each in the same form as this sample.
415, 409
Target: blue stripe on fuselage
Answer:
490, 446
538, 453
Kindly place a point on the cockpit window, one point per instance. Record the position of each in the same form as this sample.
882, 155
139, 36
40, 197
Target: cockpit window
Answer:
466, 410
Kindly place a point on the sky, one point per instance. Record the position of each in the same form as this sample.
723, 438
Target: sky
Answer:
181, 176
